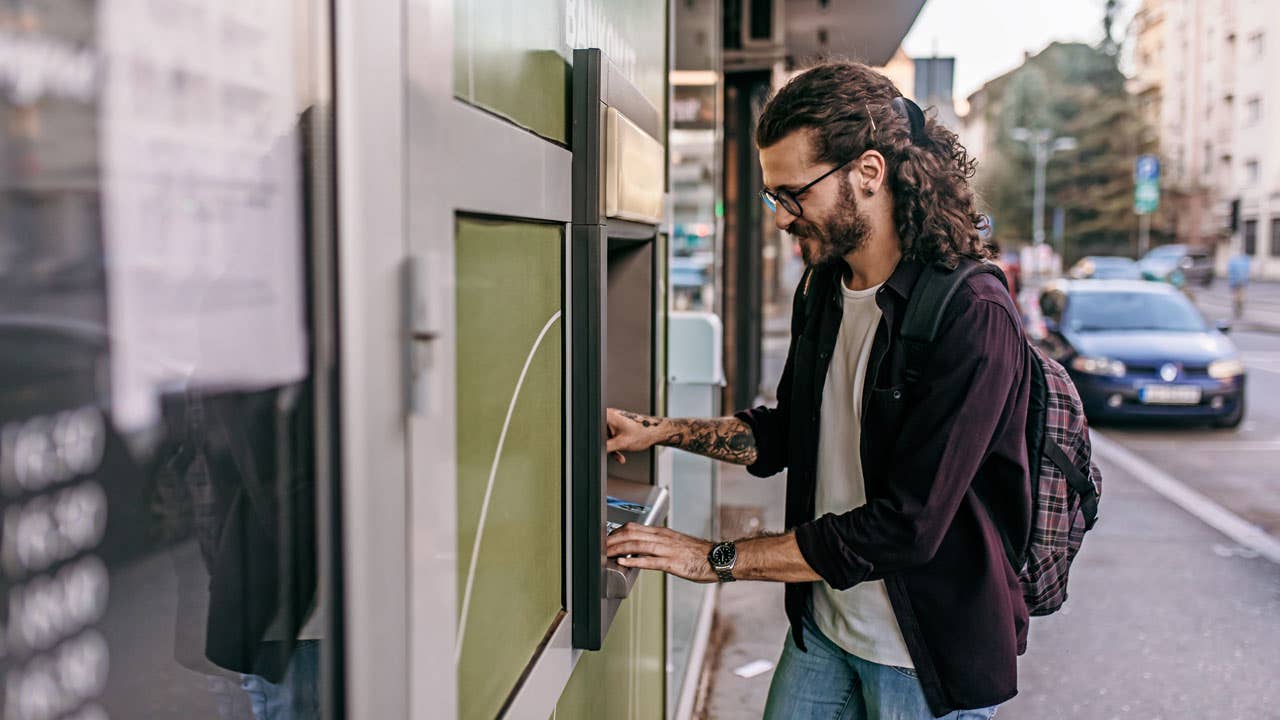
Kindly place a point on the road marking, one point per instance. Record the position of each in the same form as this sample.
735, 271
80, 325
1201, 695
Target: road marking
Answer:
1264, 360
1211, 513
1207, 445
488, 490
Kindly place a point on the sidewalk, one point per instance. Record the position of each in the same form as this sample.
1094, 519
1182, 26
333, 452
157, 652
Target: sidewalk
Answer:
750, 619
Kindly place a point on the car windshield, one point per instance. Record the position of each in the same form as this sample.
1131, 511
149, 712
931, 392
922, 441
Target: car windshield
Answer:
1116, 268
1166, 252
1118, 311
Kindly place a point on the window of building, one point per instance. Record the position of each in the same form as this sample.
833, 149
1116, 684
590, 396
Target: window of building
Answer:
1256, 45
1251, 172
1253, 110
1251, 237
1207, 165
761, 19
1275, 237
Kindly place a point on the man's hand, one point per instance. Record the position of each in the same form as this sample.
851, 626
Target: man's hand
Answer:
658, 548
630, 432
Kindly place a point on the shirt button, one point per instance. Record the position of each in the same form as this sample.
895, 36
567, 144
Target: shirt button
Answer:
897, 394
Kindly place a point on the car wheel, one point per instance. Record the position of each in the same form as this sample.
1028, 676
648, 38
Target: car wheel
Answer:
1233, 420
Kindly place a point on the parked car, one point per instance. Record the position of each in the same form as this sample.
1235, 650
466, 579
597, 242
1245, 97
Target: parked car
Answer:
1178, 265
1138, 349
1105, 267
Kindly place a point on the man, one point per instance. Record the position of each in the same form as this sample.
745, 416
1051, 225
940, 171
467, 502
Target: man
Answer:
1238, 279
900, 494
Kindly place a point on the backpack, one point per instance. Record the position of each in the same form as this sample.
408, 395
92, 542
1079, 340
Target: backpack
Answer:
1065, 483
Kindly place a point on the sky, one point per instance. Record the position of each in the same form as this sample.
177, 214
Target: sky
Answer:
988, 37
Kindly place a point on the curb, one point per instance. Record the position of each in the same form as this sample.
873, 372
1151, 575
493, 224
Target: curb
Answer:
1202, 508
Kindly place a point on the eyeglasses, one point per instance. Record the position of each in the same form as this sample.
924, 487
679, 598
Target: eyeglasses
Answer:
790, 200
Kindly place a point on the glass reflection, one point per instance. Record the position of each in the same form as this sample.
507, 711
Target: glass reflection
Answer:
158, 525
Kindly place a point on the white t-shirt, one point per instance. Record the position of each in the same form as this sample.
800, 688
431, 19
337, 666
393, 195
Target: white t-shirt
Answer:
860, 620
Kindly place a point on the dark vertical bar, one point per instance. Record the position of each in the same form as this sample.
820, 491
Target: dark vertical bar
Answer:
587, 434
747, 260
587, 136
587, 308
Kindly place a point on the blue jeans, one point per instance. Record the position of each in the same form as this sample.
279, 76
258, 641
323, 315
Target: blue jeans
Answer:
827, 682
297, 696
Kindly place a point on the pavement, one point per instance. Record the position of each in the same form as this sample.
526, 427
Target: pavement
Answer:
1167, 617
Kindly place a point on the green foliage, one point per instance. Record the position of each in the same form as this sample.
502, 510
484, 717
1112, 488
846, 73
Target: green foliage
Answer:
1073, 90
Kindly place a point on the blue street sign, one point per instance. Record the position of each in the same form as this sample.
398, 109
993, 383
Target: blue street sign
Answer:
1146, 186
1147, 168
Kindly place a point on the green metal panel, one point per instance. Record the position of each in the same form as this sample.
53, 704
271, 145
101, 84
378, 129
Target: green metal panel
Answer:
512, 57
624, 680
510, 363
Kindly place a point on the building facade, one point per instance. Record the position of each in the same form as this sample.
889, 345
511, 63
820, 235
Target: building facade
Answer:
1207, 75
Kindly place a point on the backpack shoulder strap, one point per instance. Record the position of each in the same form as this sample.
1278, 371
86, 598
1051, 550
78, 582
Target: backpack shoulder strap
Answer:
1083, 486
928, 303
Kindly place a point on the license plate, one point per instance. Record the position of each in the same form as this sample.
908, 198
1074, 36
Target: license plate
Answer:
1170, 395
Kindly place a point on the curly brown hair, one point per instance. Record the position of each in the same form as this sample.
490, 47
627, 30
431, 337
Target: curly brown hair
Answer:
849, 107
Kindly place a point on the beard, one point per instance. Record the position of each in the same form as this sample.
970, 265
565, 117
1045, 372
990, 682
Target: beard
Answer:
844, 232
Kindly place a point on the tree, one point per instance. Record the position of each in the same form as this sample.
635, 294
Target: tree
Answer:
1074, 90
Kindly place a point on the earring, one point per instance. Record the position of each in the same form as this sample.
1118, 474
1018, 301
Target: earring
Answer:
870, 192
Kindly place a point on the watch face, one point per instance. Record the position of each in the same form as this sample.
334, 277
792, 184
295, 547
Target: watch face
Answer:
723, 555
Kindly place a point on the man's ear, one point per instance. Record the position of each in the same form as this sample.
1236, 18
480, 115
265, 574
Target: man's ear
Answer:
869, 172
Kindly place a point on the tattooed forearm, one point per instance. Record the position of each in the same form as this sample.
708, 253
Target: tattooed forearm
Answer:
727, 439
644, 420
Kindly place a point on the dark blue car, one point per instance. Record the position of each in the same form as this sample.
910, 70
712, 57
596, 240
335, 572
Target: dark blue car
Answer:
1141, 350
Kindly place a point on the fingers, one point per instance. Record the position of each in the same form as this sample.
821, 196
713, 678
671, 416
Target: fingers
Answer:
645, 563
627, 539
637, 547
614, 443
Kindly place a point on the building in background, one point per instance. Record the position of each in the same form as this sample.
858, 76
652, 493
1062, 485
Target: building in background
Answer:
901, 70
1207, 75
934, 78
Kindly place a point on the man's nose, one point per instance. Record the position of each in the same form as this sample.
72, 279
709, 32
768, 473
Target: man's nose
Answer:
782, 219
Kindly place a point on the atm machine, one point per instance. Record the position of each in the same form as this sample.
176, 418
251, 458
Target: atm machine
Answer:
618, 185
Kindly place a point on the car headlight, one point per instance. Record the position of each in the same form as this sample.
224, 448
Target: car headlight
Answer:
1098, 366
1223, 369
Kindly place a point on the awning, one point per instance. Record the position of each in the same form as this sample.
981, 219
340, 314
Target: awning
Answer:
865, 30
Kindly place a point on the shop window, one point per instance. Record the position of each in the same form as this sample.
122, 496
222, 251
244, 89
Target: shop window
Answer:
160, 462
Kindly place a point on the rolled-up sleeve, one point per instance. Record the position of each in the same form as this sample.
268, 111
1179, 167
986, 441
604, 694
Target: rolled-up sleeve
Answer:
963, 400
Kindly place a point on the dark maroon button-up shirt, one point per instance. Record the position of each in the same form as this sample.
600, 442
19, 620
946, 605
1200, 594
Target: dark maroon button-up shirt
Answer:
945, 466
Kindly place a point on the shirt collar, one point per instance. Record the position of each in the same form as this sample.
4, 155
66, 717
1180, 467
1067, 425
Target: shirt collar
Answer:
904, 277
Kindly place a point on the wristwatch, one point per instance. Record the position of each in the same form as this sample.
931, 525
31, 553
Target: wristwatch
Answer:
722, 557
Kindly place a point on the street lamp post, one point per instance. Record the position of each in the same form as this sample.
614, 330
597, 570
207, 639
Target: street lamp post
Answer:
1043, 145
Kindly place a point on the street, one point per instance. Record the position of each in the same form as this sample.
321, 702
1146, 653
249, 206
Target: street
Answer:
1236, 468
1168, 617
